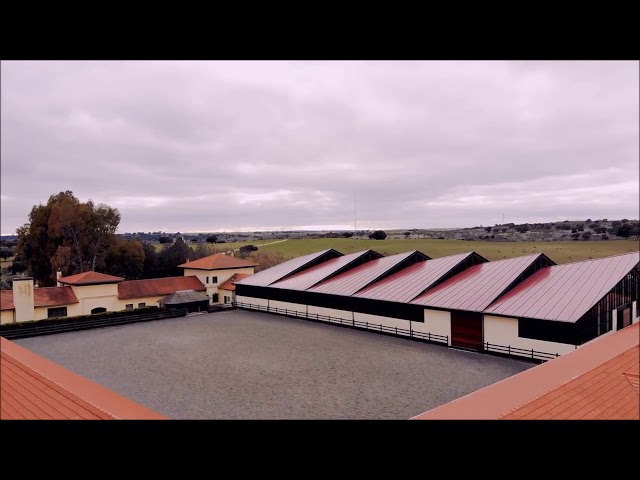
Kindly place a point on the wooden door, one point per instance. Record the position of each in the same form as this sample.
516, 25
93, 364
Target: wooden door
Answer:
466, 330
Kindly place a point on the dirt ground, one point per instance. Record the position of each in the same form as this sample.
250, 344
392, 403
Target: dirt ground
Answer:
249, 365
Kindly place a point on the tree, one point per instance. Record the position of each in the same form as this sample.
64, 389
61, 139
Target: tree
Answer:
586, 235
67, 234
165, 239
624, 231
588, 220
347, 234
194, 240
125, 259
407, 234
378, 235
150, 264
19, 266
488, 229
6, 254
212, 239
625, 220
171, 257
575, 236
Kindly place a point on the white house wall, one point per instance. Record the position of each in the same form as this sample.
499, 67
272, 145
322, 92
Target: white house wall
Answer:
293, 307
263, 302
436, 322
504, 331
375, 320
634, 313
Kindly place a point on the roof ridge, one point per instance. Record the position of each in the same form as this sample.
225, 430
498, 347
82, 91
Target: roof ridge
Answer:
599, 258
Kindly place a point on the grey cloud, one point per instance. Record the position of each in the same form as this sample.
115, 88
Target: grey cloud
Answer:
225, 145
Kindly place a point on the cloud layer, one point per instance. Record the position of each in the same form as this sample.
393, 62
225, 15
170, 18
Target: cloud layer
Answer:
208, 146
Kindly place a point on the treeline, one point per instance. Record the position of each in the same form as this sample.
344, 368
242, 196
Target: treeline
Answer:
73, 237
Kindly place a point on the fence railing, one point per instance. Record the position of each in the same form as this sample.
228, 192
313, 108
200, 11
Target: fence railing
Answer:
519, 352
376, 327
32, 329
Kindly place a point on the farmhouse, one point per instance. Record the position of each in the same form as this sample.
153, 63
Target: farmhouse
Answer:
524, 306
92, 292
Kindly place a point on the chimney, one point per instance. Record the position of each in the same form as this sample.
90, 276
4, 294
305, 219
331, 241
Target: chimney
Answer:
23, 301
58, 277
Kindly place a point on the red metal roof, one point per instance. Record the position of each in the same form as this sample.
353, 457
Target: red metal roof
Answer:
592, 382
565, 292
475, 288
351, 281
410, 282
230, 284
280, 271
314, 275
32, 387
219, 261
42, 297
158, 286
89, 278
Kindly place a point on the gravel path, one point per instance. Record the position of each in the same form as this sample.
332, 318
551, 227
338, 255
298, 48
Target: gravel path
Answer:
249, 365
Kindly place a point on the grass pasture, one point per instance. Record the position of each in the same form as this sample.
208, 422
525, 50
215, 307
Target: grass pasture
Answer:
559, 252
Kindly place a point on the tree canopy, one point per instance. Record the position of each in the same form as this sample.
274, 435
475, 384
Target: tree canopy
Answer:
66, 234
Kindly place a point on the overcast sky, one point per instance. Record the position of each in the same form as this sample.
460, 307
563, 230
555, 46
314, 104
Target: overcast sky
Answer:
211, 146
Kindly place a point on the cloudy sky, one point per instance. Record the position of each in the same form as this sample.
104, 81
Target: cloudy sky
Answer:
211, 146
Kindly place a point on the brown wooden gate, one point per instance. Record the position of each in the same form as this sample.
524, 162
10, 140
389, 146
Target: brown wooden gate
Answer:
466, 330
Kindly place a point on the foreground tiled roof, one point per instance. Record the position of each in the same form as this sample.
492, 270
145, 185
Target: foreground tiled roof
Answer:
89, 278
565, 292
217, 262
478, 286
32, 387
230, 284
42, 297
158, 286
596, 381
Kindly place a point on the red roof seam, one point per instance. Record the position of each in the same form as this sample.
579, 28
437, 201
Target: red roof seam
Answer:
29, 376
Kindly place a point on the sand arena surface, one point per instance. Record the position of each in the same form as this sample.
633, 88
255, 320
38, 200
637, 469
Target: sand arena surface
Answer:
248, 365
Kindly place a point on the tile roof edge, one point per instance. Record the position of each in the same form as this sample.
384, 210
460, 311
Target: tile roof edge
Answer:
579, 361
99, 397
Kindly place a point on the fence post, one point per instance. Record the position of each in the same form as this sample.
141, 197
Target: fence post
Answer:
429, 336
509, 349
532, 353
396, 330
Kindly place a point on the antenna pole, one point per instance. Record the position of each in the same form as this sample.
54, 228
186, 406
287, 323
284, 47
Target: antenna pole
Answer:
355, 215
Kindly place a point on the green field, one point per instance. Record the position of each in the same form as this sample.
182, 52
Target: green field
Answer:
559, 252
217, 247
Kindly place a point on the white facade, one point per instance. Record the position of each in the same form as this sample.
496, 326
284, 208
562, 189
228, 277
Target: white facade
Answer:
211, 279
330, 312
377, 320
290, 308
504, 331
436, 322
263, 302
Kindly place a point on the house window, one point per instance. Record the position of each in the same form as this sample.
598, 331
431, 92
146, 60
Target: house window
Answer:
214, 280
141, 305
56, 312
214, 297
227, 299
129, 306
207, 279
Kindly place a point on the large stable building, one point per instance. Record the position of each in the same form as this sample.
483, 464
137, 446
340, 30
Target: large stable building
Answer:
523, 306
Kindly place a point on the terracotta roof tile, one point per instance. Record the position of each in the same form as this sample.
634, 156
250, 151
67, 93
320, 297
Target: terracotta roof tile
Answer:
593, 382
158, 286
6, 300
230, 284
42, 297
217, 262
32, 387
89, 278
